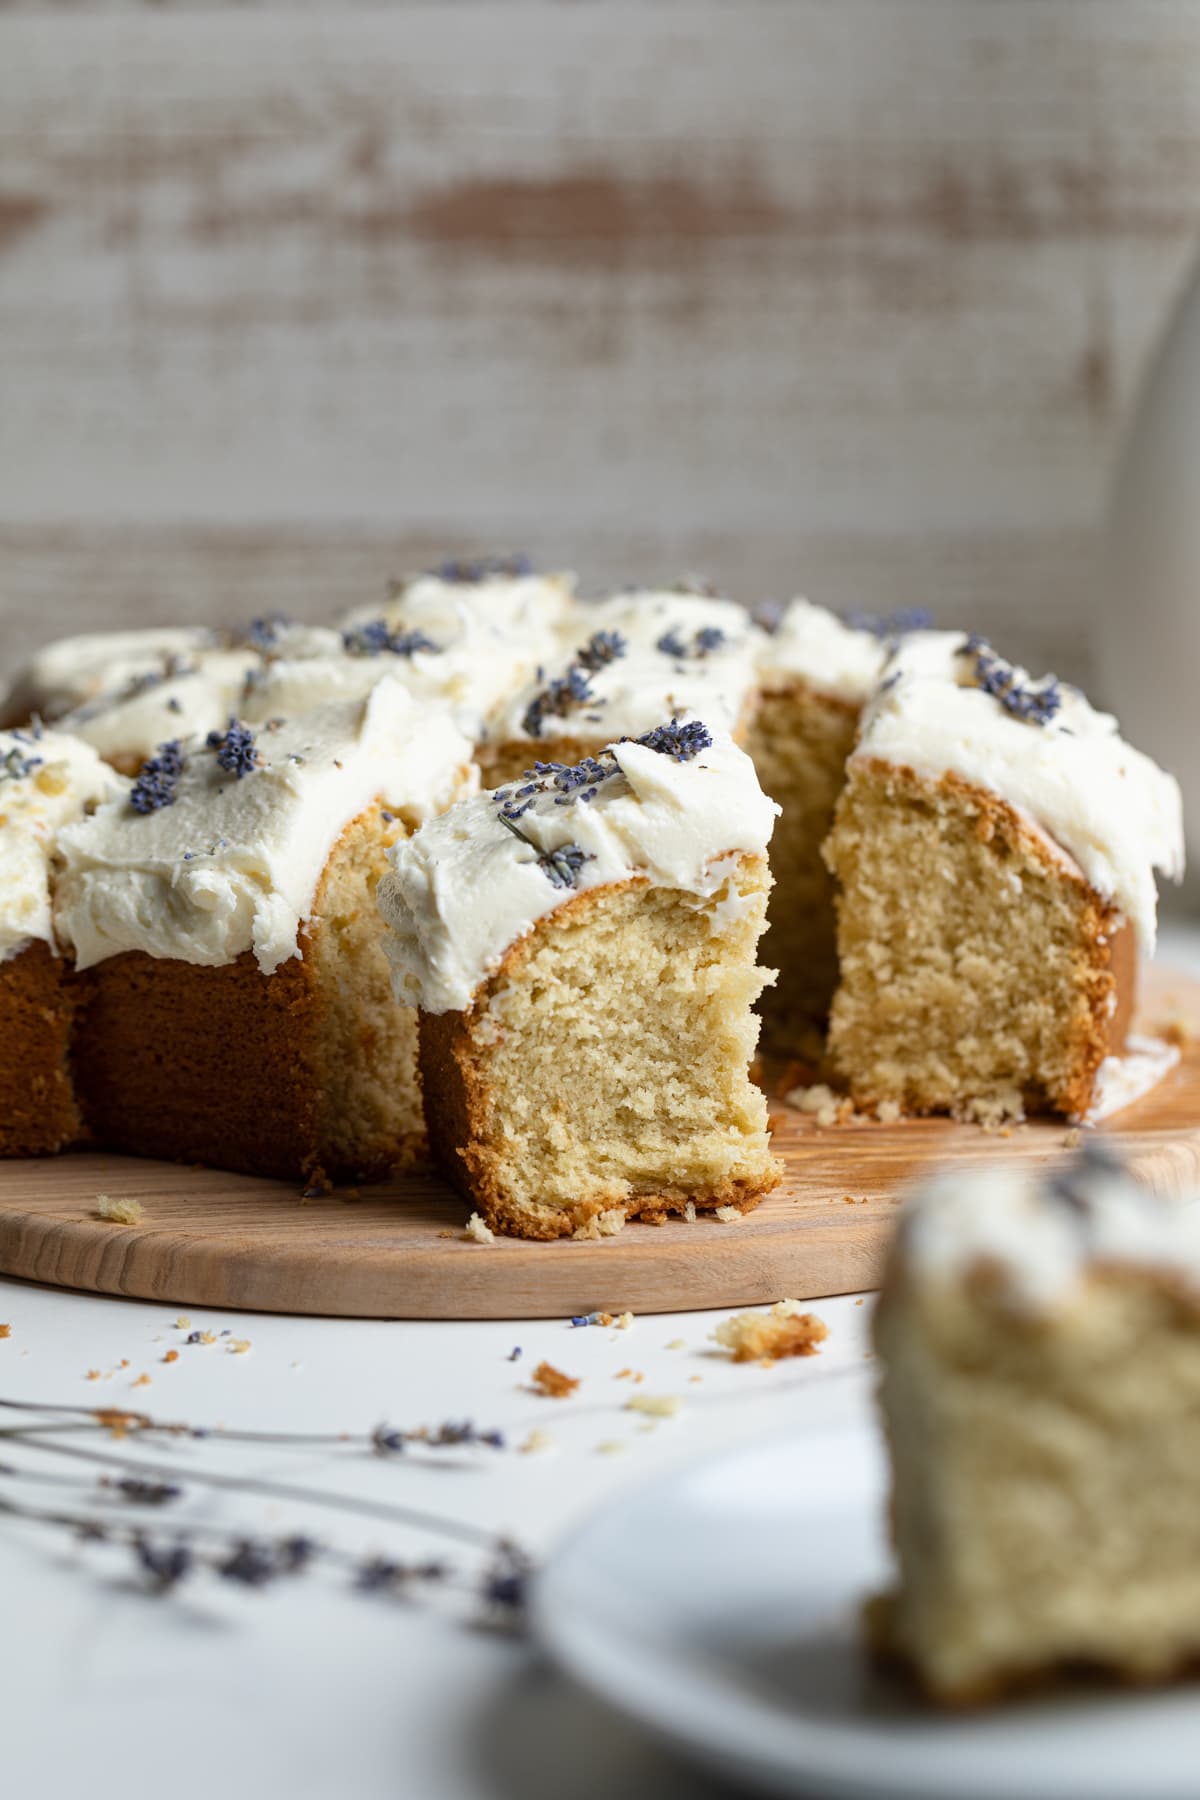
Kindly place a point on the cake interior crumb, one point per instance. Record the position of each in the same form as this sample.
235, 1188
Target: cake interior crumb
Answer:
478, 1231
119, 1211
770, 1336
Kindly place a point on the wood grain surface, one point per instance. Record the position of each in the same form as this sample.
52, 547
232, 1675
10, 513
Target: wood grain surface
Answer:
216, 1240
840, 294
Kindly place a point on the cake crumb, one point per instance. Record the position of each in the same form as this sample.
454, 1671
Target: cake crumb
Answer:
995, 1112
820, 1100
536, 1442
610, 1447
478, 1230
552, 1382
92, 1375
728, 1215
677, 1344
689, 1212
623, 1321
171, 1356
238, 1346
1177, 1033
183, 1323
601, 1225
654, 1406
695, 1378
1073, 1138
142, 1381
888, 1112
5, 1331
770, 1336
119, 1212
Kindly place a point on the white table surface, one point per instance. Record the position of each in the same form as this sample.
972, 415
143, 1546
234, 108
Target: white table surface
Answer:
307, 1689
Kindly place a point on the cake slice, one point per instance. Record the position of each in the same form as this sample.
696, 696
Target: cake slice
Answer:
995, 849
582, 950
47, 780
1039, 1343
623, 665
816, 672
238, 1006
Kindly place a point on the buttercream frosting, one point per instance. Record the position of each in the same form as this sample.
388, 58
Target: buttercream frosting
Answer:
680, 654
190, 696
1039, 1233
464, 887
231, 863
46, 780
74, 670
1113, 811
814, 645
477, 640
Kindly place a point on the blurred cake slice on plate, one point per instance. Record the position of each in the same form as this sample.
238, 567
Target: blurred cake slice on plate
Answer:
1039, 1341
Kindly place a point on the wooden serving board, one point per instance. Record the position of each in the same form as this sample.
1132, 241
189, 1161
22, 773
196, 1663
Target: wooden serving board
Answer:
219, 1240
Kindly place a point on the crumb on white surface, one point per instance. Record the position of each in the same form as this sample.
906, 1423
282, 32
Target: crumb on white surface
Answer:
536, 1442
655, 1406
478, 1231
785, 1330
610, 1447
623, 1321
119, 1212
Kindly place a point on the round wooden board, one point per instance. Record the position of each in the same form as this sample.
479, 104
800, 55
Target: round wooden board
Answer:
218, 1240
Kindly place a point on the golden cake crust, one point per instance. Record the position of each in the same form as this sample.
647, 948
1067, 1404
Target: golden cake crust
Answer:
38, 1110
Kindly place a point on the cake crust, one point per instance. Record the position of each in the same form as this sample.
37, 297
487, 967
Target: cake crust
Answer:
39, 1114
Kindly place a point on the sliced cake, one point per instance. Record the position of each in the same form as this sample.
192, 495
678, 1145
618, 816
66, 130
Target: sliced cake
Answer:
47, 780
995, 849
816, 673
1039, 1342
581, 946
622, 666
238, 1008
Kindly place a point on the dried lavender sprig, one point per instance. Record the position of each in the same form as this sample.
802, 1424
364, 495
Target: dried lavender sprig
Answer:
273, 1490
448, 1434
235, 748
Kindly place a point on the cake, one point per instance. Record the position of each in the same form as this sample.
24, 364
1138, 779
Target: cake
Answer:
815, 673
237, 1005
46, 781
623, 665
581, 948
72, 671
995, 849
1039, 1344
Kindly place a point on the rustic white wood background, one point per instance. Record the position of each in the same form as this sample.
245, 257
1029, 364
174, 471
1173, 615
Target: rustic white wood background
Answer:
842, 295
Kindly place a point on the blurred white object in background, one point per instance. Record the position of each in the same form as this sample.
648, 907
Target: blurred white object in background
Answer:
1148, 643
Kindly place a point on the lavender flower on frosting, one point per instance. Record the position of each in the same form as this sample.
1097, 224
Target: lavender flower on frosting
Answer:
157, 778
235, 748
1035, 705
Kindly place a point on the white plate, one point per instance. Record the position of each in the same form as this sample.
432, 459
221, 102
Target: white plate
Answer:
719, 1608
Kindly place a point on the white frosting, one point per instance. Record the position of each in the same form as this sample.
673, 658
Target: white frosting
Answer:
822, 650
46, 782
645, 685
1041, 1245
463, 889
1120, 1080
1109, 807
491, 635
188, 704
234, 864
74, 670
